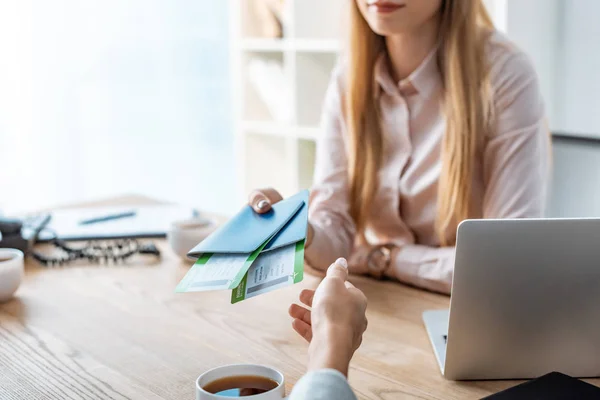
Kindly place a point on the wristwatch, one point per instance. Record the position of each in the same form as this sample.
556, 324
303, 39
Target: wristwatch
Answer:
379, 260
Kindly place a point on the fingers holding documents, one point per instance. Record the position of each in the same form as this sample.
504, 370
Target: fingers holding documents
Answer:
261, 200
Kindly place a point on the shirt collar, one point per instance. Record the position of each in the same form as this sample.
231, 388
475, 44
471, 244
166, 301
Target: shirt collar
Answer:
419, 81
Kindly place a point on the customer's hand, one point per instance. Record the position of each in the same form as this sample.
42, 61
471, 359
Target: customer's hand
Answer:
337, 321
261, 200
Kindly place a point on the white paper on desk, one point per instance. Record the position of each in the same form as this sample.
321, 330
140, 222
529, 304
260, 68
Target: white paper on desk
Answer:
149, 221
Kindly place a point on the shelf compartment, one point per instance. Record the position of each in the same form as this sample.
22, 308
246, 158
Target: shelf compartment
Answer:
258, 21
313, 72
266, 88
318, 19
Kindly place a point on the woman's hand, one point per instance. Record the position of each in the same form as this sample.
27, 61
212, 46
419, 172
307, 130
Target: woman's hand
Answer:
358, 262
336, 323
261, 200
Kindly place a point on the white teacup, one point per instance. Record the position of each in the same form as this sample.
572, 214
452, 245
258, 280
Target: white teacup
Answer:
11, 272
228, 371
185, 235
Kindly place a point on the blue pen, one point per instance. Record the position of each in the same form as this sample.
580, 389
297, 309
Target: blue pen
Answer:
108, 218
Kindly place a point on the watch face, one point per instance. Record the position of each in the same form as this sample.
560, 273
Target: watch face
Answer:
379, 259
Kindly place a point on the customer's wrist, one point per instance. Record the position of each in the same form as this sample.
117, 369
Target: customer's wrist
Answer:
331, 347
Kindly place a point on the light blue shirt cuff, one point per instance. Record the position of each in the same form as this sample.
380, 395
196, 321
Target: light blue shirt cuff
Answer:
324, 384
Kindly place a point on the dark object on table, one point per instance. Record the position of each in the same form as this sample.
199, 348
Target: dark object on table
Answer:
96, 252
552, 386
10, 235
21, 235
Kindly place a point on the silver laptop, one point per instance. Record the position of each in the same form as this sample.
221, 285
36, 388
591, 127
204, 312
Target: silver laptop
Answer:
525, 301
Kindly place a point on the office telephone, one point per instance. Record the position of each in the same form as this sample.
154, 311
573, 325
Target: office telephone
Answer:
23, 234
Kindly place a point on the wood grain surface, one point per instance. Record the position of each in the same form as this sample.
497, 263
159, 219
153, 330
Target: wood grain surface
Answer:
121, 332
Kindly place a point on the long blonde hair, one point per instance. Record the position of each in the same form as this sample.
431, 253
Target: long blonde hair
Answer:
467, 106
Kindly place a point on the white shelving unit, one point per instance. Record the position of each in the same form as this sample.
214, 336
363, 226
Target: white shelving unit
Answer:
277, 149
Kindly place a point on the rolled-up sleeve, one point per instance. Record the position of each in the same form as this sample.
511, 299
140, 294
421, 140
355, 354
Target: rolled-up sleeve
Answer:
325, 384
333, 227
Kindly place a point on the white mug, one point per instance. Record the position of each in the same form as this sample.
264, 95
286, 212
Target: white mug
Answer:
185, 235
11, 272
241, 370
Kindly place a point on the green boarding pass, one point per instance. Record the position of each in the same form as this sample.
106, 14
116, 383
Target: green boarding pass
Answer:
270, 271
217, 271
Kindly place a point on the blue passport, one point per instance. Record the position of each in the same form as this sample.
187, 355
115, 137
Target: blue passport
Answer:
247, 231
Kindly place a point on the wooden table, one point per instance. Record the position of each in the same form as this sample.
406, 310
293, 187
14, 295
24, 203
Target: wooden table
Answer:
121, 332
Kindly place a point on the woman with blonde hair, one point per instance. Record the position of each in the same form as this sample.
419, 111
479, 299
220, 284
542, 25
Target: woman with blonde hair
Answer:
431, 117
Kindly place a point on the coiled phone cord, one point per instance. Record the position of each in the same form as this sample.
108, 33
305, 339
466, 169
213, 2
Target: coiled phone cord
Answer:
96, 252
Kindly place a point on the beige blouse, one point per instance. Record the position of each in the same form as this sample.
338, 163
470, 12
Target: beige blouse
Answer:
511, 181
